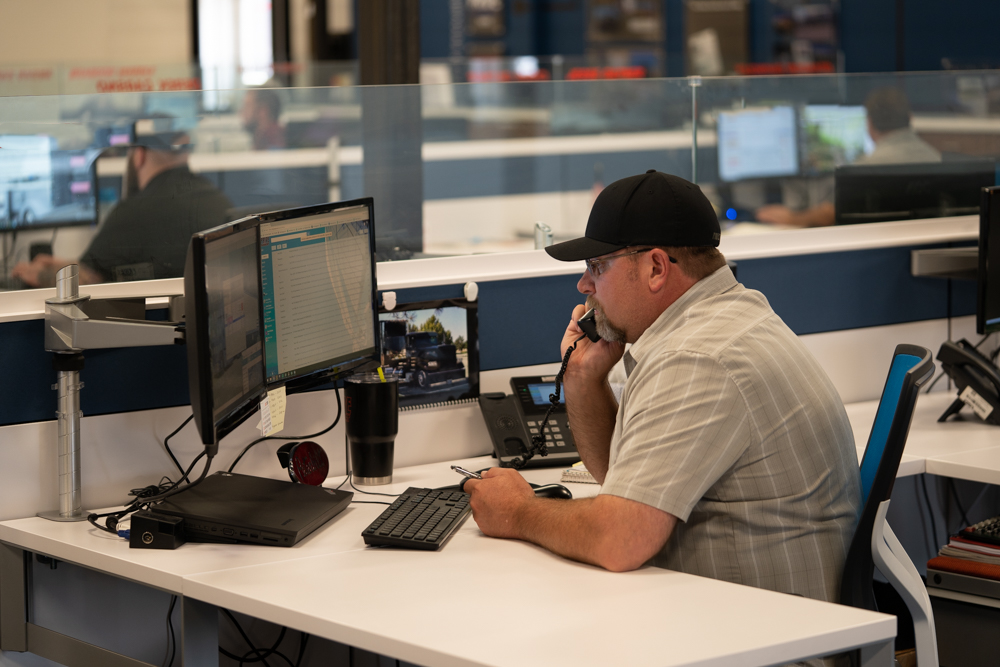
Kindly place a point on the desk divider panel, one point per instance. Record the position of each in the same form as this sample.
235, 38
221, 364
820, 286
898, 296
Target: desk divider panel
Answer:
521, 322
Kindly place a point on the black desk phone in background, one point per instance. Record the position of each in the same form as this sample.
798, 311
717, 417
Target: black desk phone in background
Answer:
976, 378
512, 420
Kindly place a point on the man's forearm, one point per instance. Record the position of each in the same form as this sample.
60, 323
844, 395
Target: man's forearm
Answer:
606, 531
592, 411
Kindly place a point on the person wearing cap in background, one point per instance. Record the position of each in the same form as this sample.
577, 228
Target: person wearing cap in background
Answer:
729, 455
147, 233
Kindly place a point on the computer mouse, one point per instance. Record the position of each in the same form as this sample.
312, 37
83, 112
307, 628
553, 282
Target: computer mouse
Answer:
553, 491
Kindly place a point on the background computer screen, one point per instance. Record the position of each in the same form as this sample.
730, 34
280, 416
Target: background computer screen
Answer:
222, 303
988, 292
41, 186
879, 193
833, 135
757, 143
317, 271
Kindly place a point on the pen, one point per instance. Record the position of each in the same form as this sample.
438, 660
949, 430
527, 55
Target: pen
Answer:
467, 473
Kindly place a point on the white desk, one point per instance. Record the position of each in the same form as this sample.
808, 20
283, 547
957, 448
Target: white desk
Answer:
507, 602
961, 448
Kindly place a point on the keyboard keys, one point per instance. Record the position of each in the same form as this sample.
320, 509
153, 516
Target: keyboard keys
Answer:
419, 519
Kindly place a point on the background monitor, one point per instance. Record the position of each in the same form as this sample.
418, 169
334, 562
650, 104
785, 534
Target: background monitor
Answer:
757, 143
832, 135
878, 193
318, 289
41, 186
988, 276
223, 328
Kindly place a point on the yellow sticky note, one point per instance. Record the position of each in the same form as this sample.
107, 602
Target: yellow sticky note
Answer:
272, 412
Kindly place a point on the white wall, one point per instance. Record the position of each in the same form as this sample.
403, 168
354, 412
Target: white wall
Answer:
56, 32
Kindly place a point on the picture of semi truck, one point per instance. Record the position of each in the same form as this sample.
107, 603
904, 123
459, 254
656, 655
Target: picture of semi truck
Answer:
419, 358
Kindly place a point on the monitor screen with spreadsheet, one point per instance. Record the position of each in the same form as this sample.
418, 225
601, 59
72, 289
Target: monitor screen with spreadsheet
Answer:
318, 293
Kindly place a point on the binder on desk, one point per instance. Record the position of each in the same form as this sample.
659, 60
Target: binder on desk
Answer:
577, 473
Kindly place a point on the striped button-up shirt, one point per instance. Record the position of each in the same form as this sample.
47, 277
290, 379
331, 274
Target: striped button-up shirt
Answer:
727, 422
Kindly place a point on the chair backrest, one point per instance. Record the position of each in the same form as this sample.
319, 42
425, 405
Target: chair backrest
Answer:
910, 369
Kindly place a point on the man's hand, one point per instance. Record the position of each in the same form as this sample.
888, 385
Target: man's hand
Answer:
39, 272
612, 532
822, 215
496, 500
590, 361
776, 214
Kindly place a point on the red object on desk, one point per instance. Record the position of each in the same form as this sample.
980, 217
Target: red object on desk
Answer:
969, 567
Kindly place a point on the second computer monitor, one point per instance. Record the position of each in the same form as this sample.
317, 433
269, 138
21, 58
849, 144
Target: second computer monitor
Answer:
758, 143
318, 292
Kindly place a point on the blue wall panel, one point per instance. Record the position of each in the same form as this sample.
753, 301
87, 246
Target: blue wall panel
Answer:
118, 380
868, 35
435, 29
835, 291
521, 323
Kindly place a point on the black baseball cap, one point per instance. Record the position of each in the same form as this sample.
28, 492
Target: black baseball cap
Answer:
649, 209
161, 133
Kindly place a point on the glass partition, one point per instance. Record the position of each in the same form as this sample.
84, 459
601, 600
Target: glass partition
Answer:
459, 168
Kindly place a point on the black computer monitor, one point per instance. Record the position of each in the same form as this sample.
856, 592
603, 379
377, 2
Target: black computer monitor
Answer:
223, 328
318, 293
286, 298
44, 187
988, 276
757, 143
832, 135
879, 193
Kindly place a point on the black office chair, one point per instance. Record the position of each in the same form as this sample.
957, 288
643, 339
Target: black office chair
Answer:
874, 544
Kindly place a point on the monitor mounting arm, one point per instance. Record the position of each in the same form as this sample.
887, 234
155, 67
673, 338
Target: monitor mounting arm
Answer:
75, 323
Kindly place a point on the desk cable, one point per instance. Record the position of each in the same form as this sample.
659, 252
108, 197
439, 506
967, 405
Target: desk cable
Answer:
147, 495
261, 655
336, 392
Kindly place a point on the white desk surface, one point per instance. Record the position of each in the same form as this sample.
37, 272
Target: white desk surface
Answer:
85, 545
964, 447
482, 601
478, 601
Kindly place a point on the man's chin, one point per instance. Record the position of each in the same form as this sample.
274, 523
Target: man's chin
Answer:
605, 329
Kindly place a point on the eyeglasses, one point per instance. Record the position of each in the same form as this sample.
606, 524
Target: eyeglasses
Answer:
596, 265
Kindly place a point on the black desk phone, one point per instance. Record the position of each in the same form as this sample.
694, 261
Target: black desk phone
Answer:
512, 420
976, 378
517, 424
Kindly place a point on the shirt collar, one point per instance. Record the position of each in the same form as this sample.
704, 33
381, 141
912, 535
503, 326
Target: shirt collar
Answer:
722, 280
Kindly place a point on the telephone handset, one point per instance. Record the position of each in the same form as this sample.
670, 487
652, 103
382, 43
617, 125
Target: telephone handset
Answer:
588, 324
977, 379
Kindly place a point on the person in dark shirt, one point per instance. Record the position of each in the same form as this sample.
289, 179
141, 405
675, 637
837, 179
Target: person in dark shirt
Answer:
146, 235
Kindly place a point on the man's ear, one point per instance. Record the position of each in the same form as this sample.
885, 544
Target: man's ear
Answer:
138, 157
660, 268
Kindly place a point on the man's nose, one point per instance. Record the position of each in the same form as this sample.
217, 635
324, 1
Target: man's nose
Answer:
586, 284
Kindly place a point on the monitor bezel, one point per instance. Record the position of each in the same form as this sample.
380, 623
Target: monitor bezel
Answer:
989, 217
210, 428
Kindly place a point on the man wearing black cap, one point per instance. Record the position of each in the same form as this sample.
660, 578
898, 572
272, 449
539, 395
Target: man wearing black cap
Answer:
147, 234
730, 454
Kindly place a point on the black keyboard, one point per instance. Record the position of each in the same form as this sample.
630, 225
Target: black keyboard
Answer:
419, 519
987, 531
